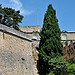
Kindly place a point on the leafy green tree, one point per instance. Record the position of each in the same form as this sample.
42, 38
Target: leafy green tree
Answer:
50, 43
10, 17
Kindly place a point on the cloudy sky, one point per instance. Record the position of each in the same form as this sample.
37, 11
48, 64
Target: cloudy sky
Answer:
34, 10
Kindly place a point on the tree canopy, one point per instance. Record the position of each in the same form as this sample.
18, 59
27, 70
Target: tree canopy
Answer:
10, 17
50, 43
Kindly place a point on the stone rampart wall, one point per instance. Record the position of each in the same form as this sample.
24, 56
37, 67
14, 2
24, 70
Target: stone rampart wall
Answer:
14, 32
15, 44
15, 53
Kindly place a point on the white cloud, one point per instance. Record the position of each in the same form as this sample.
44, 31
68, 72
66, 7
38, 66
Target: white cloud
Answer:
17, 5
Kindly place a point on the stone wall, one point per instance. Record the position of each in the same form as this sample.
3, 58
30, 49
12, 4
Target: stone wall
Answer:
15, 53
15, 44
35, 52
70, 35
31, 30
68, 44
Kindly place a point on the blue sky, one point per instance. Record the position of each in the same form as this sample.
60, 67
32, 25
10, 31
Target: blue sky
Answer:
34, 10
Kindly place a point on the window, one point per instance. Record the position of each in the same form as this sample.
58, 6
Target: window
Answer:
35, 37
64, 37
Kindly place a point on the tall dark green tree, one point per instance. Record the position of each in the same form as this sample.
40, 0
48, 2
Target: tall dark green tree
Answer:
50, 43
10, 17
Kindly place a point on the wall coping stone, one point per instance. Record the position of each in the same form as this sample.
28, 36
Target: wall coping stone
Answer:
12, 31
67, 31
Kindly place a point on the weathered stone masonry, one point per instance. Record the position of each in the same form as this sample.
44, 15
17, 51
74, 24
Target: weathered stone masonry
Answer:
15, 53
68, 40
33, 31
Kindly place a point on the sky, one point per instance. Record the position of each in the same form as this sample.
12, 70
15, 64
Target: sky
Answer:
34, 10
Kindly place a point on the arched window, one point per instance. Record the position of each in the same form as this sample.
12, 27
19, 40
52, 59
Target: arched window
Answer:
64, 37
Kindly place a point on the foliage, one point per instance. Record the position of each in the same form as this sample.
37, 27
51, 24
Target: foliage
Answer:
51, 73
58, 65
50, 43
10, 17
71, 69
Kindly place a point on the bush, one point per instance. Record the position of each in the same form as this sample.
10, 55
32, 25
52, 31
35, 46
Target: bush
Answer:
71, 69
58, 65
51, 73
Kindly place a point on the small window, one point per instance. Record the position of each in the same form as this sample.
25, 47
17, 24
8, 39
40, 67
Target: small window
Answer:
35, 37
64, 37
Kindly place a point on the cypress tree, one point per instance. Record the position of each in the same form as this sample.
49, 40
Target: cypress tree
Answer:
50, 41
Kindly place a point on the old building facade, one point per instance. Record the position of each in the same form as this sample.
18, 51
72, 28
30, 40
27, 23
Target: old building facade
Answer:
68, 40
33, 31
